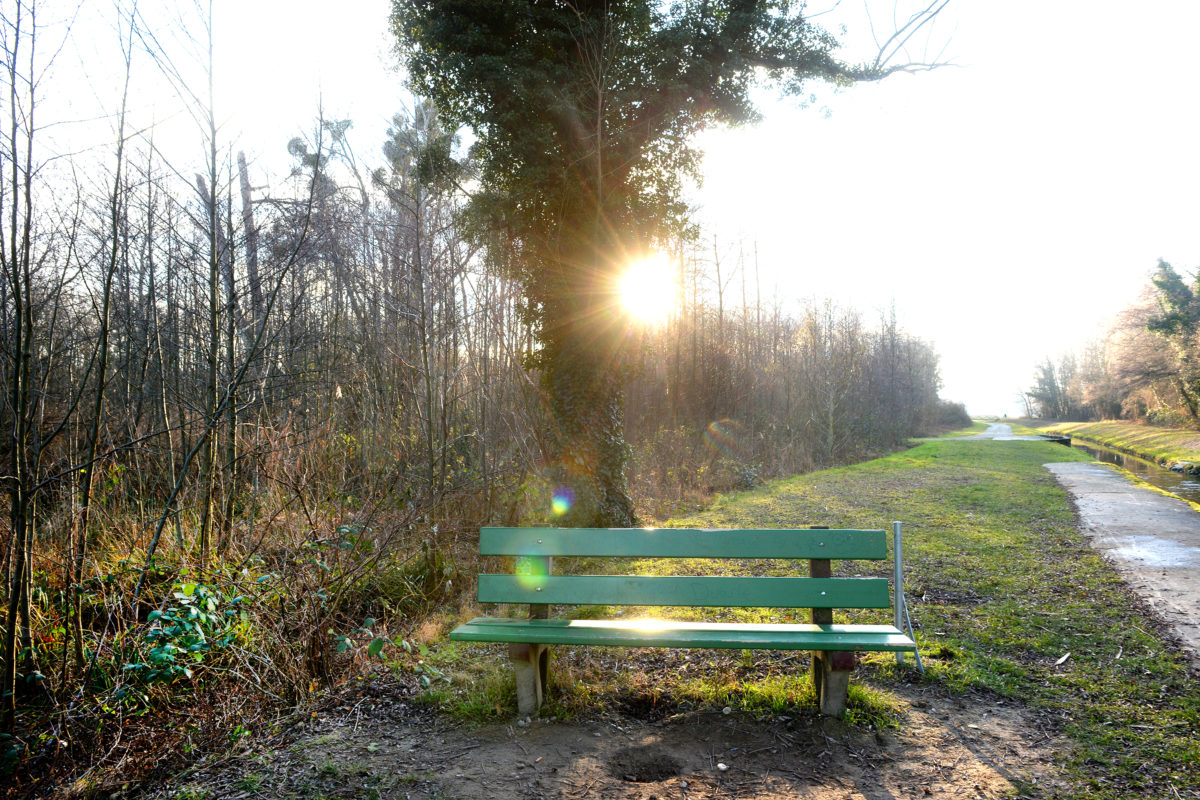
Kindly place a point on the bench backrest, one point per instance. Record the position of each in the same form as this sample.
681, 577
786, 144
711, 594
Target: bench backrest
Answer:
535, 546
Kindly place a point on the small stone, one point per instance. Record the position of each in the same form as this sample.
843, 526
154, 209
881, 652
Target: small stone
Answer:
727, 710
721, 767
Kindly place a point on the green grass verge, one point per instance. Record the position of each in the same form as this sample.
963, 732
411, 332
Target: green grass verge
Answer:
1001, 585
976, 427
1162, 445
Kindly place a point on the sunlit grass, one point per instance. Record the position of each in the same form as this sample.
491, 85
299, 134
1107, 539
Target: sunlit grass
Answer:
976, 427
1001, 584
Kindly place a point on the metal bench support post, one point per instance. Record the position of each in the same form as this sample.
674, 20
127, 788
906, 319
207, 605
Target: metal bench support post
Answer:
898, 580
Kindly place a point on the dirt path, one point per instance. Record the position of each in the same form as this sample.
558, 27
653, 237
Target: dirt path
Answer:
378, 744
1153, 540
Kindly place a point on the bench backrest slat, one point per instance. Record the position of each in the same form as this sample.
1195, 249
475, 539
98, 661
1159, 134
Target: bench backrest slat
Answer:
683, 543
642, 590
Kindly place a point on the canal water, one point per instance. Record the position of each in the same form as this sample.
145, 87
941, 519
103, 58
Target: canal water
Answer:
1180, 485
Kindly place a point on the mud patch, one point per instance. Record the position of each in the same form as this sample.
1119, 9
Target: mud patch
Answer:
648, 764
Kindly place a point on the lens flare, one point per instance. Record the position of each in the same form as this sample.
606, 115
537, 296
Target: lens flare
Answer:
562, 501
530, 572
722, 437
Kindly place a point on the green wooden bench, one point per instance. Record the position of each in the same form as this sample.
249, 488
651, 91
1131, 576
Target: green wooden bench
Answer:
833, 646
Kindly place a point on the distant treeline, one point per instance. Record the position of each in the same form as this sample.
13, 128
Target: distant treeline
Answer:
1146, 368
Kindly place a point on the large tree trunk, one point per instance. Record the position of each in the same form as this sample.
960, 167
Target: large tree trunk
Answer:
584, 378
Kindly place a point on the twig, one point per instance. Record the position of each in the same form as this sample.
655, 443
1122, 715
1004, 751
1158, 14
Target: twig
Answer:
586, 790
759, 750
464, 749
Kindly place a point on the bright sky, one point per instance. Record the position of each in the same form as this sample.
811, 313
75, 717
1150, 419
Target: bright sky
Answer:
1007, 206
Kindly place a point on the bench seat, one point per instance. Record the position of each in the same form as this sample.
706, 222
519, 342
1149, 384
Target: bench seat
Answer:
534, 582
670, 633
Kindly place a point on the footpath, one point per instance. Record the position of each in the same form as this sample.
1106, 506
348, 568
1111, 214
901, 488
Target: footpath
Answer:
1152, 539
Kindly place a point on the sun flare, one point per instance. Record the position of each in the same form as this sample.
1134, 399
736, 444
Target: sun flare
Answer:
648, 289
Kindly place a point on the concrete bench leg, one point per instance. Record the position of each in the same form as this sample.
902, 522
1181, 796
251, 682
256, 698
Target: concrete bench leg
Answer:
531, 662
831, 678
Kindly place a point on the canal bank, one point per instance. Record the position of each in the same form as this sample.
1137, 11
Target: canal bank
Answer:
1152, 539
1181, 484
1176, 449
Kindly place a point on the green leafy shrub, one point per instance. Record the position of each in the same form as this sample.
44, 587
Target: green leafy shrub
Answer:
182, 635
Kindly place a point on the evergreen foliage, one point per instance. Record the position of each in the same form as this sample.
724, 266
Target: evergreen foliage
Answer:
584, 115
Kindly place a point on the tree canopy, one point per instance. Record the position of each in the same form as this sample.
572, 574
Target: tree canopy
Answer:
584, 115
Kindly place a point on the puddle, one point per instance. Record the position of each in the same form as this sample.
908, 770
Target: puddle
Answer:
1180, 485
1156, 552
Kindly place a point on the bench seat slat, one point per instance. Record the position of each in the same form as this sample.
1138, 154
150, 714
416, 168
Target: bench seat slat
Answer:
680, 590
683, 543
666, 633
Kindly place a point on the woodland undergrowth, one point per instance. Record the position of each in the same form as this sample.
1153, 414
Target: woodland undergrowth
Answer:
314, 583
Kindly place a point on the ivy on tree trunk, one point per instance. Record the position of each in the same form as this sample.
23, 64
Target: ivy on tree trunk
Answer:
583, 115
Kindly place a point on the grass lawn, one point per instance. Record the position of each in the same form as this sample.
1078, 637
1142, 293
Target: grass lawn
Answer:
1001, 586
1163, 445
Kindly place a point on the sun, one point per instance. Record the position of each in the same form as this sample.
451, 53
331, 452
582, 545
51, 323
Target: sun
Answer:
648, 289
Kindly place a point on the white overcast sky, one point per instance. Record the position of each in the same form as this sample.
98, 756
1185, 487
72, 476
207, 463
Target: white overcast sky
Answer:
1007, 206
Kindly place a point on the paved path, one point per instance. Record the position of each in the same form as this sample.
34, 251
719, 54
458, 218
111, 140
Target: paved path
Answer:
1001, 432
1153, 540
